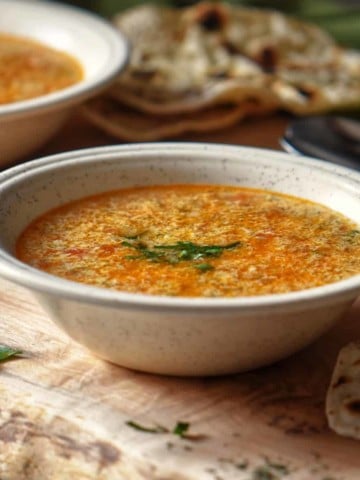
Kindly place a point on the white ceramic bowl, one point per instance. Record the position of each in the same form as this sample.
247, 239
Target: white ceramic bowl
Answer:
100, 49
179, 336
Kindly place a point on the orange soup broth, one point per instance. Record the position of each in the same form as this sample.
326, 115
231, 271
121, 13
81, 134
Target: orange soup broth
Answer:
29, 69
194, 240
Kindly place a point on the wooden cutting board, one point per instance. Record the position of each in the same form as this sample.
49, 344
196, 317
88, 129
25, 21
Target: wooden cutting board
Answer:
64, 413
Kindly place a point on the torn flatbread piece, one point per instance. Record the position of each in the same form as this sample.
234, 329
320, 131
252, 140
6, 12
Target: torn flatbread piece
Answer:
227, 92
343, 396
178, 64
316, 90
129, 124
215, 53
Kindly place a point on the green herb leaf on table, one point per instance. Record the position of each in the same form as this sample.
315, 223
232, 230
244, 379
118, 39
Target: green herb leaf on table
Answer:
181, 428
7, 352
142, 428
263, 473
279, 468
270, 471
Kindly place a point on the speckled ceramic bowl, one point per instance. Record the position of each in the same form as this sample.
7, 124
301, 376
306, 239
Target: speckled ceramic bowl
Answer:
178, 336
101, 50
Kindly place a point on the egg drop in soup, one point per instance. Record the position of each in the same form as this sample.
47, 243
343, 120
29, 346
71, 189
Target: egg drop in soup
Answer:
194, 241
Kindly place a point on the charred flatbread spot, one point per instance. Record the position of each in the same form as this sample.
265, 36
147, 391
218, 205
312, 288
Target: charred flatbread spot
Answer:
267, 59
212, 18
354, 407
231, 48
220, 75
144, 75
341, 381
305, 92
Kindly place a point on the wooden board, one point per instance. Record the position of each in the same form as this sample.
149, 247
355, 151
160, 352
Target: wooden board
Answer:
261, 132
63, 413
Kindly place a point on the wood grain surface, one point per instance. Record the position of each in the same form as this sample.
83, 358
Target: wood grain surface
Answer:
64, 413
261, 132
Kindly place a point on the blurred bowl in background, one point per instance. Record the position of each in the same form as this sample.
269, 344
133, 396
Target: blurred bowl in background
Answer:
101, 51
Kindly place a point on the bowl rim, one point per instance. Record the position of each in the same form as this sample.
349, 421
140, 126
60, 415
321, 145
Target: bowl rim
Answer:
119, 54
34, 279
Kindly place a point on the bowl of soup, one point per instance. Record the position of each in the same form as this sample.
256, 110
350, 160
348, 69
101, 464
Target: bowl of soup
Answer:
184, 258
52, 57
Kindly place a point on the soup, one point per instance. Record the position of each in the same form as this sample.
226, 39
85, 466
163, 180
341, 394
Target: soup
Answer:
194, 241
29, 69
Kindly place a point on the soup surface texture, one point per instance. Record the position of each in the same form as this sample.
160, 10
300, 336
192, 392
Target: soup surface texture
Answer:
29, 69
194, 240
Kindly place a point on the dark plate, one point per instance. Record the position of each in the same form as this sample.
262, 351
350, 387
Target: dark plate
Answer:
323, 137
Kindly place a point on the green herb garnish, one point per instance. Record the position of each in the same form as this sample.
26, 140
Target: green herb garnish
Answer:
278, 467
352, 235
178, 252
270, 471
204, 267
242, 465
132, 237
7, 352
181, 428
263, 473
142, 428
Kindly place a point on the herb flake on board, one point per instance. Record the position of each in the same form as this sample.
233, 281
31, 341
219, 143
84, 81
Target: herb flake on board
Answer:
6, 353
270, 471
278, 467
142, 428
180, 430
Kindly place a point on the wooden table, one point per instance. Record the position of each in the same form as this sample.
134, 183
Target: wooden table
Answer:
261, 132
64, 413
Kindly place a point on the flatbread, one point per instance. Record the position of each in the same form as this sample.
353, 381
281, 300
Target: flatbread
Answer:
314, 90
343, 396
228, 92
177, 66
129, 124
213, 53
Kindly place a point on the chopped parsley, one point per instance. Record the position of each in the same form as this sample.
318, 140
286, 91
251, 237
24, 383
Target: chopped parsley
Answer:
7, 352
278, 467
270, 471
352, 235
263, 473
177, 252
242, 465
142, 428
204, 267
180, 429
